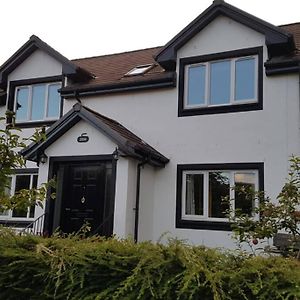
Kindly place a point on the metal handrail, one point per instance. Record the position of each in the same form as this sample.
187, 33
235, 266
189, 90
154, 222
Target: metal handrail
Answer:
35, 227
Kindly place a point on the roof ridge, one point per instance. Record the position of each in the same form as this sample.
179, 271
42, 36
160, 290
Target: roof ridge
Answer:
117, 53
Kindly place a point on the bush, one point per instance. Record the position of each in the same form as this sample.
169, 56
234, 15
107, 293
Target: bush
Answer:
97, 268
273, 218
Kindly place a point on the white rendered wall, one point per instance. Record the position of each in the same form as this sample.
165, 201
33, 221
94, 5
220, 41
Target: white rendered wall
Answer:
38, 64
146, 211
222, 34
67, 144
270, 135
125, 198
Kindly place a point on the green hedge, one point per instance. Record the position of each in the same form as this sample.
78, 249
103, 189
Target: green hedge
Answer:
94, 268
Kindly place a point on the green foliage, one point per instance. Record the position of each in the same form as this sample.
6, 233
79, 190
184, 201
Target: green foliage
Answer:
97, 268
10, 144
271, 217
10, 159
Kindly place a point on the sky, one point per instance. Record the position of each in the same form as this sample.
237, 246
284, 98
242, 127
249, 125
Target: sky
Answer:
84, 28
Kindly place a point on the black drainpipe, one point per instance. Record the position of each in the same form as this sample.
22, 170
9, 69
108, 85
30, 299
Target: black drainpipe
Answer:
137, 199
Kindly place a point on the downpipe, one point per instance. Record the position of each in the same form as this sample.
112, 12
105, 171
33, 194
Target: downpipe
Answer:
137, 199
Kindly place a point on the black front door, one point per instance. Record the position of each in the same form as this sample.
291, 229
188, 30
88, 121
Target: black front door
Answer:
84, 197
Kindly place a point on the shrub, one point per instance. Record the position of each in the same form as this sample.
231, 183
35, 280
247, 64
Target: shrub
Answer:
95, 268
272, 217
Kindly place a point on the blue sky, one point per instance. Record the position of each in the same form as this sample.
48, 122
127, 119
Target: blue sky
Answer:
79, 28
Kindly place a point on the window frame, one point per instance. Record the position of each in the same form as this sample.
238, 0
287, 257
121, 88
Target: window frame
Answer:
9, 216
184, 220
11, 105
30, 100
184, 109
139, 70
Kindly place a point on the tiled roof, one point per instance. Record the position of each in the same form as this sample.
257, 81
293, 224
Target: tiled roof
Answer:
111, 69
294, 29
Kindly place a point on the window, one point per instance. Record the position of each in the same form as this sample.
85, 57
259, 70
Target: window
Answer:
139, 70
7, 191
19, 182
223, 82
37, 102
202, 188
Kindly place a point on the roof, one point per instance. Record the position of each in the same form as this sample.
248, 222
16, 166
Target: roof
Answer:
106, 74
128, 143
278, 40
293, 29
68, 68
109, 72
289, 62
111, 68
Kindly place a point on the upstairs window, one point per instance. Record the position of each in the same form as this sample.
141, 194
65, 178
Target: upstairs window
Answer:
225, 82
220, 83
37, 102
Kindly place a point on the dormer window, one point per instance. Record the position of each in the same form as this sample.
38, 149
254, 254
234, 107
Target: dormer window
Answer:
37, 102
139, 70
222, 82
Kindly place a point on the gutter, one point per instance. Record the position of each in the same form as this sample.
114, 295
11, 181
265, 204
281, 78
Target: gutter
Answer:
137, 199
166, 81
283, 68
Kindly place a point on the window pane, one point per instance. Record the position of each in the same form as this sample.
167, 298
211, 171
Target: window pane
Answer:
53, 101
244, 188
194, 194
22, 103
245, 79
34, 185
220, 82
22, 182
219, 187
196, 85
38, 102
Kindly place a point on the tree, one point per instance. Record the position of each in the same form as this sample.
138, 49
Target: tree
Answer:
10, 159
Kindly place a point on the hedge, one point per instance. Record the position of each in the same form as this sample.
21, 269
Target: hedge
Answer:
95, 268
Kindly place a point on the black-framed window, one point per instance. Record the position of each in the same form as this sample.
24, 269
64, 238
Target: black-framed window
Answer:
222, 82
23, 179
201, 189
35, 101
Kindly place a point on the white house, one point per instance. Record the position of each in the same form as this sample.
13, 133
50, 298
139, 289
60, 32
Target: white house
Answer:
148, 142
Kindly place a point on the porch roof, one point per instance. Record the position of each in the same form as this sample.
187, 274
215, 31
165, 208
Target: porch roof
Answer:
127, 142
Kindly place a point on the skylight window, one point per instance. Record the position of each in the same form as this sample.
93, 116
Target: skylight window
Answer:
139, 70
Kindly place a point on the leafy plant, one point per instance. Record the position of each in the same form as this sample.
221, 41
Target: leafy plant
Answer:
10, 159
269, 217
97, 268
